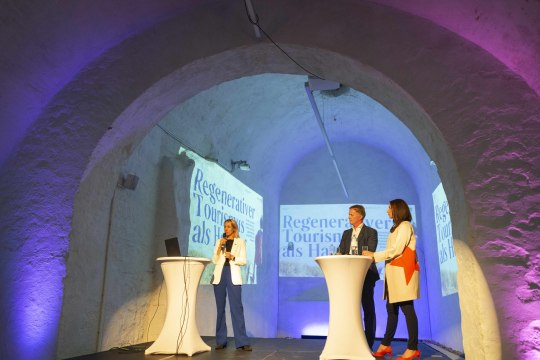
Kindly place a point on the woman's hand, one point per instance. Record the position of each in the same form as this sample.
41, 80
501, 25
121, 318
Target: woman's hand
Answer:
229, 256
367, 253
221, 247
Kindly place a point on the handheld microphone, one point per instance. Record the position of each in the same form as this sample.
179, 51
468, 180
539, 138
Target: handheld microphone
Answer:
223, 246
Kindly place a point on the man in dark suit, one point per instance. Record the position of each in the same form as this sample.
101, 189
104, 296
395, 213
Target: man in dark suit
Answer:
362, 235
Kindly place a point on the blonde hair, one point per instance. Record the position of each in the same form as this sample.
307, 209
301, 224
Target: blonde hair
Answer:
234, 225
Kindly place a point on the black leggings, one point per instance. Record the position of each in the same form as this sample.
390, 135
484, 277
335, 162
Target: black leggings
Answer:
410, 317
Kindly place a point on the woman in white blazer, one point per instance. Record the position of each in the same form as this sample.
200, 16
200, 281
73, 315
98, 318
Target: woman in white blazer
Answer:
229, 255
401, 279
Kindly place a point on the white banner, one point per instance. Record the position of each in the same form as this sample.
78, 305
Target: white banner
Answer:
216, 196
445, 242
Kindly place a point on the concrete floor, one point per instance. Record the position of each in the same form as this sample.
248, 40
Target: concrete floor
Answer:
267, 349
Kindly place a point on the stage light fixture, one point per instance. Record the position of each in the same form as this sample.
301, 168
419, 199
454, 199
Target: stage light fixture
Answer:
240, 164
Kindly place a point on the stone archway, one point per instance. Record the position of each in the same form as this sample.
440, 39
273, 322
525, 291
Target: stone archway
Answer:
179, 82
487, 114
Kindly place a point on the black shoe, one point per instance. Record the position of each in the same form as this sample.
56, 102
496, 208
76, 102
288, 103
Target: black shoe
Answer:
246, 348
221, 347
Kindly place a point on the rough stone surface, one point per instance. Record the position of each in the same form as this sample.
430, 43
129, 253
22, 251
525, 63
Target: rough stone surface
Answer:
65, 86
530, 341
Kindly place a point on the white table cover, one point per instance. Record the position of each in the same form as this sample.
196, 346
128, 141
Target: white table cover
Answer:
180, 334
345, 276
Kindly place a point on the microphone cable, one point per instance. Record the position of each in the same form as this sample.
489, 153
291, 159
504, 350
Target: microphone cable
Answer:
184, 317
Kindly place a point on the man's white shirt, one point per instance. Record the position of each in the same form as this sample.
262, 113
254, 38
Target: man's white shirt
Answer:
354, 237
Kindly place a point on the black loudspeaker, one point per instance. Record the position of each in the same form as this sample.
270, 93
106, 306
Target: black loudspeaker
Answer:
129, 182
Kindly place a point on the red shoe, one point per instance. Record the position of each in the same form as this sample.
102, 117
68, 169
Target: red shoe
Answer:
416, 354
383, 352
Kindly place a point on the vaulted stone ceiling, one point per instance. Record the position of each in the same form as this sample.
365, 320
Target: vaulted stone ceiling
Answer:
46, 44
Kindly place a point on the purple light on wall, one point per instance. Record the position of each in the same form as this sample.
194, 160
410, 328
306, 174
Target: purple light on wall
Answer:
530, 340
71, 35
37, 302
34, 266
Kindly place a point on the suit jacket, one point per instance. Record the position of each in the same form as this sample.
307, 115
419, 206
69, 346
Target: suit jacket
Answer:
367, 237
239, 252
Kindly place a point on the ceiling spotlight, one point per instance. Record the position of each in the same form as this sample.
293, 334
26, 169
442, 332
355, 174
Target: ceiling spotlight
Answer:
240, 164
316, 84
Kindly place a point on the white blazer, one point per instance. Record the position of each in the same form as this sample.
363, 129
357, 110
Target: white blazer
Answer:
238, 250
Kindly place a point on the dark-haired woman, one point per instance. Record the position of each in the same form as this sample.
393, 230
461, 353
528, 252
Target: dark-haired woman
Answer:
401, 279
229, 256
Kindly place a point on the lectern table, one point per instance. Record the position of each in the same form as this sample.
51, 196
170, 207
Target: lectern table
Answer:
345, 276
180, 334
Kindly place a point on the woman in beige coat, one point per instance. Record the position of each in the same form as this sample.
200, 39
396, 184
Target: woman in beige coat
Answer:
401, 279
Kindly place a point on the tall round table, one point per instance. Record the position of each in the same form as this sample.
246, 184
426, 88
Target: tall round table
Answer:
180, 334
344, 275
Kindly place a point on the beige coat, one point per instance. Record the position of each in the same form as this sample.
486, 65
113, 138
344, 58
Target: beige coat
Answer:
401, 269
239, 252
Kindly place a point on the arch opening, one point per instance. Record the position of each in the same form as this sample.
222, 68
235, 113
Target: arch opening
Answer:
215, 132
